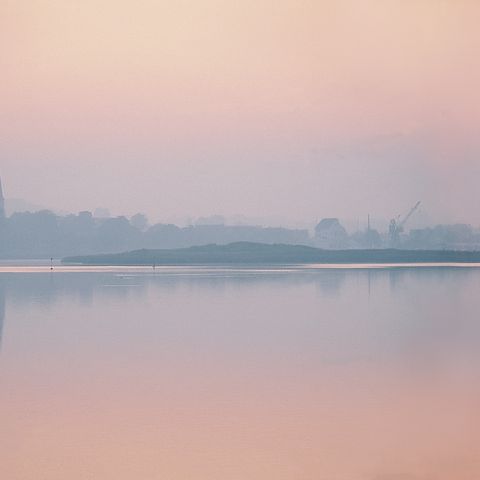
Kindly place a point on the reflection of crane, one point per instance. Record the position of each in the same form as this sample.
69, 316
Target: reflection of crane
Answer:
396, 226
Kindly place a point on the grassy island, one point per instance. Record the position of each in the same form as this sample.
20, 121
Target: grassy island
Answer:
260, 253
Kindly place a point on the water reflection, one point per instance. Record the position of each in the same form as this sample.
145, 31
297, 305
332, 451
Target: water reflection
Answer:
353, 314
2, 310
221, 373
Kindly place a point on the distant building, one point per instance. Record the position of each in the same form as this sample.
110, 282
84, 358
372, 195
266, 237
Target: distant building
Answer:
329, 233
211, 220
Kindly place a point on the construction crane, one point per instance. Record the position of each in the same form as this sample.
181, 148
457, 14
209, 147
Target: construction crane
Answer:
396, 225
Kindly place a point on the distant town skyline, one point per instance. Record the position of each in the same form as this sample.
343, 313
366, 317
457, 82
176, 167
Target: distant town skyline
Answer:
19, 205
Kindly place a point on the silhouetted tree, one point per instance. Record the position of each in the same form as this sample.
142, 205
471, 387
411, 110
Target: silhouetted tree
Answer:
139, 221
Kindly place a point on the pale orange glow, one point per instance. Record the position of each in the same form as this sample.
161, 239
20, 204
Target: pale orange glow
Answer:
333, 375
352, 68
337, 423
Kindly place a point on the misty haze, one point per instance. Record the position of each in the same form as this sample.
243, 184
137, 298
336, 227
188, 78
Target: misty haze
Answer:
239, 240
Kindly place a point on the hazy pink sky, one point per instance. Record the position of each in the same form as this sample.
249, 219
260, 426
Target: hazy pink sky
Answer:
291, 108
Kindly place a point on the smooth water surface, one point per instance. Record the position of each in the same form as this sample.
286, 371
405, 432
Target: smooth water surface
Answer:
240, 374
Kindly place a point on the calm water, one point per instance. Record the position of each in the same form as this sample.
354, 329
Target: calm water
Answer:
218, 374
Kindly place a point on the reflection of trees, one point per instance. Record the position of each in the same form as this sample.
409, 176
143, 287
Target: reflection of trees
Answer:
2, 309
329, 282
81, 288
338, 314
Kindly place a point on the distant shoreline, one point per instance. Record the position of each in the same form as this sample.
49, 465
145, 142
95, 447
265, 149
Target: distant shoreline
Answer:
248, 253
